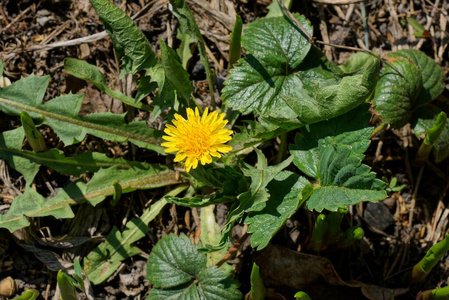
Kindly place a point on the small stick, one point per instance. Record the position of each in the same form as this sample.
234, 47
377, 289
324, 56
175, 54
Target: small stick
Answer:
19, 16
233, 250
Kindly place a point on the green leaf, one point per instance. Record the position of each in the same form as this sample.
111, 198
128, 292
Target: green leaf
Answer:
11, 143
126, 33
189, 33
348, 129
1, 67
33, 135
343, 179
178, 271
274, 10
423, 121
31, 204
331, 152
90, 73
257, 287
61, 114
432, 74
30, 294
104, 260
288, 191
256, 82
27, 162
172, 80
416, 25
235, 42
396, 94
430, 260
322, 94
68, 291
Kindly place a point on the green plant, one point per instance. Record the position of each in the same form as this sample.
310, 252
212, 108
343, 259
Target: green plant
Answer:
284, 85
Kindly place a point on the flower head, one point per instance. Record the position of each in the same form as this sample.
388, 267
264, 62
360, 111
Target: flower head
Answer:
198, 138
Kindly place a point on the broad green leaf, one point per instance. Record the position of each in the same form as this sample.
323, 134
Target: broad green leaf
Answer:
396, 94
189, 33
256, 82
61, 114
31, 204
432, 74
83, 70
288, 191
255, 198
331, 152
358, 62
348, 129
11, 143
424, 119
126, 33
342, 179
322, 94
178, 271
104, 260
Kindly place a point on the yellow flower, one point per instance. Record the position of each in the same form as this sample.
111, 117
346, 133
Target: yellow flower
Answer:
197, 139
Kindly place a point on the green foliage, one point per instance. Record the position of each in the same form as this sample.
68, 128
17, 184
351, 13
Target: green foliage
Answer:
410, 80
425, 119
302, 296
288, 192
68, 291
331, 152
235, 43
126, 34
433, 256
32, 204
189, 34
33, 135
90, 73
319, 232
30, 294
61, 114
178, 270
257, 287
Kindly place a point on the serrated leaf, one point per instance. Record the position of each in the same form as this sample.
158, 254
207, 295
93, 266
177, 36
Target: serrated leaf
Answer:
331, 152
61, 114
348, 129
397, 92
432, 74
11, 142
288, 191
27, 162
83, 70
126, 33
255, 83
343, 179
178, 271
423, 120
104, 260
31, 204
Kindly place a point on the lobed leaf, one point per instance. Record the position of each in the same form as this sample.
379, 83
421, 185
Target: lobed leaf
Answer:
31, 204
61, 114
288, 191
126, 33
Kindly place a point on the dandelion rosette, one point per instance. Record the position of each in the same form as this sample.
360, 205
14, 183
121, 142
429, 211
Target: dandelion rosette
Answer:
198, 138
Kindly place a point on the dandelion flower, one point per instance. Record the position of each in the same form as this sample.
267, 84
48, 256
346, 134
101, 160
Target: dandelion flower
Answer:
198, 138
